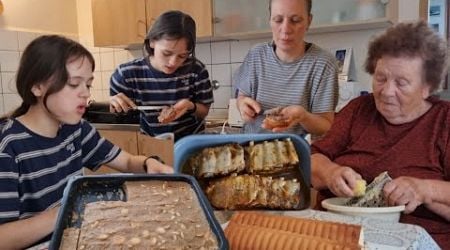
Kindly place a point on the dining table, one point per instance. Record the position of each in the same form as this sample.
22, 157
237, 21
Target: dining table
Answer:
378, 234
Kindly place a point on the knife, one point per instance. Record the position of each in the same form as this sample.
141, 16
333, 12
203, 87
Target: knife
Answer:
150, 107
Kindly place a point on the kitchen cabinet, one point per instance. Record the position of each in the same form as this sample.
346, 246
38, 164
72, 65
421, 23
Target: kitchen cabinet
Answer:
125, 22
199, 10
250, 18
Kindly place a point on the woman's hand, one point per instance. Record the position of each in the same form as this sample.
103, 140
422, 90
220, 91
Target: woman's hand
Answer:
121, 103
408, 191
248, 108
341, 181
293, 115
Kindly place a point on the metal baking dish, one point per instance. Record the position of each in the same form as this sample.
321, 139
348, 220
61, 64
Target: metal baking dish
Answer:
85, 189
188, 146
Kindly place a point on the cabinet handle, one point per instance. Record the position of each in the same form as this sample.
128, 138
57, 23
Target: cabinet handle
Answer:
217, 20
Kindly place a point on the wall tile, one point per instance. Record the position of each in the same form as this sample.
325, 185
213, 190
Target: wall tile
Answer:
98, 62
107, 61
106, 77
105, 95
120, 57
97, 83
239, 50
24, 38
220, 52
9, 60
222, 73
209, 68
234, 67
9, 82
2, 112
221, 97
11, 102
8, 40
96, 95
102, 50
203, 52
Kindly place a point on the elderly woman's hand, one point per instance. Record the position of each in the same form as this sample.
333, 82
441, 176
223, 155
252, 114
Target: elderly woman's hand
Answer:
342, 180
408, 191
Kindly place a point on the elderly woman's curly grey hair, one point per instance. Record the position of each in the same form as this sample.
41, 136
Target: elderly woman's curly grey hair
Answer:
412, 40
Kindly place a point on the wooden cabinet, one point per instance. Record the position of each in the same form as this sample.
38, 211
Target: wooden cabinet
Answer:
199, 10
120, 23
249, 19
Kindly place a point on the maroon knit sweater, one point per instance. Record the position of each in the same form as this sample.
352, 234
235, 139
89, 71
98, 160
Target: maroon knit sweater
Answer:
362, 139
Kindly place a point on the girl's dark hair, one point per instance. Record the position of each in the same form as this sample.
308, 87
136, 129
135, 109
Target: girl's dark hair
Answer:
307, 2
172, 25
44, 60
412, 40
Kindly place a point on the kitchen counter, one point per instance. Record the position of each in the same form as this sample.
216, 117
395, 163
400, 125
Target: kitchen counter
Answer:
211, 128
109, 126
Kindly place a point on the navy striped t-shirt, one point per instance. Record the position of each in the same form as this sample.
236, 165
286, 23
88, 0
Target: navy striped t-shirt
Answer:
34, 169
145, 85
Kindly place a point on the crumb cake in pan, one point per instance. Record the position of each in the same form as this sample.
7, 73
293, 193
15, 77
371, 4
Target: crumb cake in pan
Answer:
155, 214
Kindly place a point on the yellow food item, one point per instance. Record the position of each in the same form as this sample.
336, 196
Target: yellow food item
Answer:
360, 188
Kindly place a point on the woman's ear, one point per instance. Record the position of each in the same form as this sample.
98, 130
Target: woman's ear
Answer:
426, 91
310, 18
38, 90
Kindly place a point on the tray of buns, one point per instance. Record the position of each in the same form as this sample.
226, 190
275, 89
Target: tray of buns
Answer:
125, 211
258, 230
248, 171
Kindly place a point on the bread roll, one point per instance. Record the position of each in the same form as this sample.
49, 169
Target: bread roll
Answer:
333, 231
253, 237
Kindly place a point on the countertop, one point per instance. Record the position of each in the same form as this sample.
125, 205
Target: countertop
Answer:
109, 126
212, 127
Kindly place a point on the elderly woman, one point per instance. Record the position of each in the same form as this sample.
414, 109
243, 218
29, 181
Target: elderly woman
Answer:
400, 128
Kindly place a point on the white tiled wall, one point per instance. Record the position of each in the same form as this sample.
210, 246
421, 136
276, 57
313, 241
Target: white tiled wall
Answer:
221, 60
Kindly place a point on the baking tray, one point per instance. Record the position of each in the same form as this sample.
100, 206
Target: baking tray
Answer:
189, 145
85, 189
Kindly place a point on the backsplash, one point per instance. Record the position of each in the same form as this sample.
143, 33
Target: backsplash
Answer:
220, 58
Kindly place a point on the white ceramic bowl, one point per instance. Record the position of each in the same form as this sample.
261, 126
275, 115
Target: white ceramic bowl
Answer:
336, 205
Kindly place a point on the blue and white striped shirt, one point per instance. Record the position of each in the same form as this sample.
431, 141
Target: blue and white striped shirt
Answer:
310, 81
145, 85
34, 169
